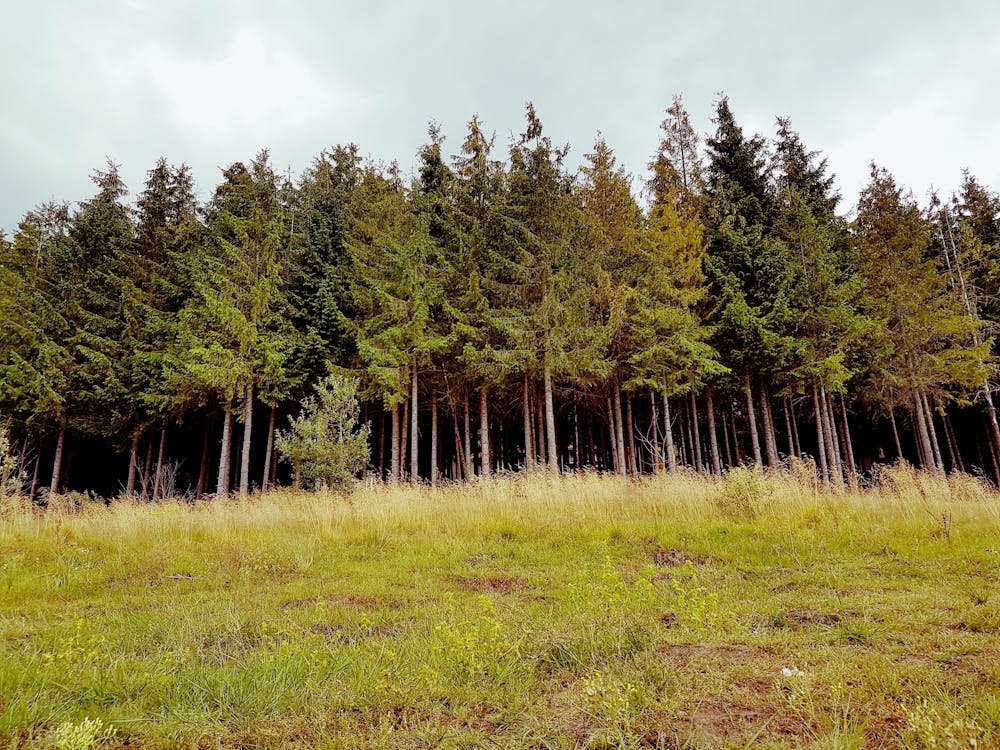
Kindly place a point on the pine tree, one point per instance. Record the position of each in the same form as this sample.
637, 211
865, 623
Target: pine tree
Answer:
235, 335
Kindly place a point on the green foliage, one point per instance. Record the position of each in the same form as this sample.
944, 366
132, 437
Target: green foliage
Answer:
85, 735
11, 474
745, 492
324, 442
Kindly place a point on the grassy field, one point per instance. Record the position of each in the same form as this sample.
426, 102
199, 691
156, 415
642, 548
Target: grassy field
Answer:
588, 612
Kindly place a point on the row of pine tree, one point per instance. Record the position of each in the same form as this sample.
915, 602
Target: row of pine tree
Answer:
504, 314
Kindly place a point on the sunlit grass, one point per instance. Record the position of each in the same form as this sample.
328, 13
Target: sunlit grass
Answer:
539, 612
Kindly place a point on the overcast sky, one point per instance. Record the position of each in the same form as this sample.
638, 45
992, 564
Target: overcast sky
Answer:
913, 85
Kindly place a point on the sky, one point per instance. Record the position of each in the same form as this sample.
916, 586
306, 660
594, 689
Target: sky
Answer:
910, 84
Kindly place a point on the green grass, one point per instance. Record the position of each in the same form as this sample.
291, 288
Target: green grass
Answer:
587, 612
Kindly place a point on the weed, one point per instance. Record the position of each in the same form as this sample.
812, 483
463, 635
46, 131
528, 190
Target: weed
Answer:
89, 733
745, 492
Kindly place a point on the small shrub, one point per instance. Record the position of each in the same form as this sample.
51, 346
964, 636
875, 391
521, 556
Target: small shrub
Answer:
89, 733
744, 493
695, 606
479, 646
928, 727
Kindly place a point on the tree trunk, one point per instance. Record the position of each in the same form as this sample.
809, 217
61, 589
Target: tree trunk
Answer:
895, 434
770, 440
227, 430
529, 459
577, 449
459, 453
655, 431
394, 445
696, 434
35, 472
633, 459
133, 466
824, 468
434, 439
160, 457
404, 438
788, 427
613, 436
713, 440
550, 425
848, 444
57, 462
737, 454
381, 446
932, 431
752, 421
619, 431
923, 437
247, 431
994, 429
203, 469
725, 439
470, 461
668, 437
414, 429
486, 465
540, 437
146, 474
957, 449
265, 481
832, 455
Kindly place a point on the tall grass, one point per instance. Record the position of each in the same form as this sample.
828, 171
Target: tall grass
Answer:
523, 611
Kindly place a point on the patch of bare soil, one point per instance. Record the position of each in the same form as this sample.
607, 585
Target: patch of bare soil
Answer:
492, 584
675, 558
348, 601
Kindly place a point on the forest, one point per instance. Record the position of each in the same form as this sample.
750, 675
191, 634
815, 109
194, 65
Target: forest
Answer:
502, 312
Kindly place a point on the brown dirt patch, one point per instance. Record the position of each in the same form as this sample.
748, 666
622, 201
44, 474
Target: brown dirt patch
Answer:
493, 584
348, 601
675, 558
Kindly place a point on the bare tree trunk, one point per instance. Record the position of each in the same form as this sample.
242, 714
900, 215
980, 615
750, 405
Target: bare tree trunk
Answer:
395, 455
247, 431
713, 440
848, 445
737, 453
414, 428
57, 462
484, 434
222, 487
788, 427
35, 472
619, 431
203, 469
404, 445
470, 461
160, 457
695, 434
133, 466
752, 421
633, 459
381, 446
459, 452
932, 431
147, 470
924, 438
577, 449
529, 459
820, 437
725, 439
655, 430
832, 455
265, 481
550, 425
668, 437
612, 436
770, 440
434, 439
895, 434
994, 429
957, 449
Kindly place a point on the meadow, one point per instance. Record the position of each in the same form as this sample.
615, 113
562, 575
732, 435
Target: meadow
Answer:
755, 611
